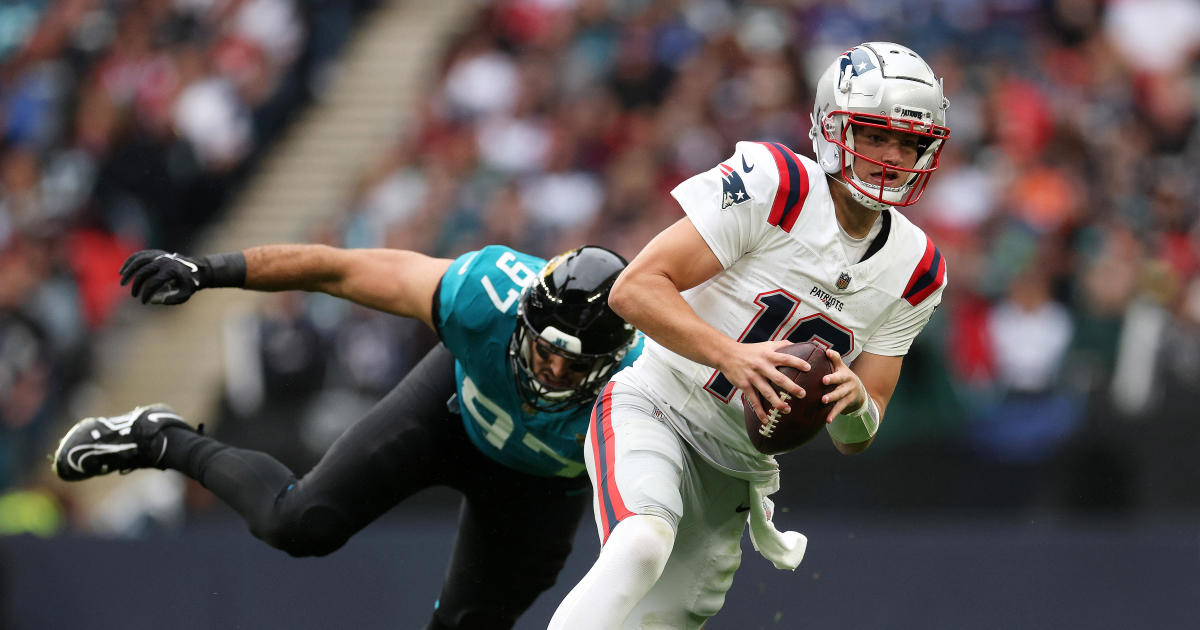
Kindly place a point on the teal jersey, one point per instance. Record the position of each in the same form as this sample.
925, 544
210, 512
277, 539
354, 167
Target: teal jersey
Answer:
476, 317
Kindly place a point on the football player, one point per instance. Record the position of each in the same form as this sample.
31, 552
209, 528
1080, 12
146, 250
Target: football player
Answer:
496, 411
774, 249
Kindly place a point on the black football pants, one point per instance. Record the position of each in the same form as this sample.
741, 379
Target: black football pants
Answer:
515, 530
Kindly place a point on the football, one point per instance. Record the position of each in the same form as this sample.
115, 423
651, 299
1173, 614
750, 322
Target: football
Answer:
788, 431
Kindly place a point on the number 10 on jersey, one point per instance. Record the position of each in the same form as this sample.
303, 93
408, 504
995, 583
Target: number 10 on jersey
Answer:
778, 311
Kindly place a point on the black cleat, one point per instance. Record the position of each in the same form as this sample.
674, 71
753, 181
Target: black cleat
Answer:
98, 446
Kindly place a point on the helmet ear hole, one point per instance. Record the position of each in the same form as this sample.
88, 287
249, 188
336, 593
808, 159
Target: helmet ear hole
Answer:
831, 158
827, 153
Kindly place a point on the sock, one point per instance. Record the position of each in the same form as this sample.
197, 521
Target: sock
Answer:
248, 481
177, 454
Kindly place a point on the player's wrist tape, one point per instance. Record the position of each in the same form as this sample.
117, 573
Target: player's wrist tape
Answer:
226, 270
858, 426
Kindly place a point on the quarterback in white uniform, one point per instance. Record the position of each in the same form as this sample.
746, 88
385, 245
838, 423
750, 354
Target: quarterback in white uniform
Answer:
775, 249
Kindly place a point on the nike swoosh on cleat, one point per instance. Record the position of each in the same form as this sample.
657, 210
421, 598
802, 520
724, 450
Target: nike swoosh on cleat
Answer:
746, 168
77, 455
158, 415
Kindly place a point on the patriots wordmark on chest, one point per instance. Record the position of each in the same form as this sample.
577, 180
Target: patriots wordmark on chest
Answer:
733, 189
828, 300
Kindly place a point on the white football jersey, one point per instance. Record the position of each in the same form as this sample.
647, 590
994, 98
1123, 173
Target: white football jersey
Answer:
768, 216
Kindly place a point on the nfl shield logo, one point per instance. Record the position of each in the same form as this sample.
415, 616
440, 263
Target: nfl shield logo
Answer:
843, 281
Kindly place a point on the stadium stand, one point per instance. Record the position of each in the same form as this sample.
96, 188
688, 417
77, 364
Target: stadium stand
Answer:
1058, 373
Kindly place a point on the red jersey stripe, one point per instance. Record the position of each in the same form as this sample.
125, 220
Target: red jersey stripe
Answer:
612, 506
594, 435
799, 184
793, 187
929, 274
938, 278
781, 193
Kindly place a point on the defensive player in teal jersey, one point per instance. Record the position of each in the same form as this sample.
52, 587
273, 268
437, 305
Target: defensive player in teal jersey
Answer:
535, 426
496, 411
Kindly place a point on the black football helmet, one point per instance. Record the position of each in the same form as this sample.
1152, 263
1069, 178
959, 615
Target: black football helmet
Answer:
565, 311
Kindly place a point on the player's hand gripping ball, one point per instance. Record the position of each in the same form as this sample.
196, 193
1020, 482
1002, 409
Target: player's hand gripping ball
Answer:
784, 432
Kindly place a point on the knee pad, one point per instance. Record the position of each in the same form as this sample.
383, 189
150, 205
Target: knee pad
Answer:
645, 541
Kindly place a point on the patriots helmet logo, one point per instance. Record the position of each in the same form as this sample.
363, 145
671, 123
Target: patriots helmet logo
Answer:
859, 61
733, 189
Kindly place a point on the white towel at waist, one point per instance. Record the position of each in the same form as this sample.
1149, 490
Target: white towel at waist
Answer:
784, 549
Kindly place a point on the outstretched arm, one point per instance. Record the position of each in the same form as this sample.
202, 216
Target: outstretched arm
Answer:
394, 281
647, 295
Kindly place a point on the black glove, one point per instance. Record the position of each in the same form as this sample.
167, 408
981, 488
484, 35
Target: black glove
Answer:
162, 278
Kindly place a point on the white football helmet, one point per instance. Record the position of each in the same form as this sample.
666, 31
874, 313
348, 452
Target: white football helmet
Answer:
885, 86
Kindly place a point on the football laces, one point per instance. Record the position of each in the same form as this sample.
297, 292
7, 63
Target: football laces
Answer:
773, 417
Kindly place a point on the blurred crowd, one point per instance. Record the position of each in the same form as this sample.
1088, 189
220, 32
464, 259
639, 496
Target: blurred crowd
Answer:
1060, 371
124, 124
